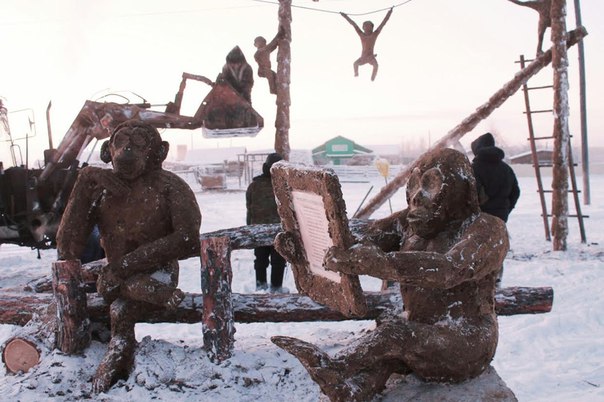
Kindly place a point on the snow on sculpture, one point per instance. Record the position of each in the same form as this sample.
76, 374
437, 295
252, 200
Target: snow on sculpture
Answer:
445, 254
147, 218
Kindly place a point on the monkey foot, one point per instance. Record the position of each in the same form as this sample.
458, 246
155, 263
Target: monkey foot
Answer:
116, 364
175, 299
328, 373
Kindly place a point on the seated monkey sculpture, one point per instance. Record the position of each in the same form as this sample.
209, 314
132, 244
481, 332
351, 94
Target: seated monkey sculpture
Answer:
147, 218
446, 262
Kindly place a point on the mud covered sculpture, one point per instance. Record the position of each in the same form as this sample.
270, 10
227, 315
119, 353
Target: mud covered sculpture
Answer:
368, 38
543, 7
263, 58
148, 218
238, 73
446, 256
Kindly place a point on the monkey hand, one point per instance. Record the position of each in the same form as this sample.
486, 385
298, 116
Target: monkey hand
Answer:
288, 246
357, 260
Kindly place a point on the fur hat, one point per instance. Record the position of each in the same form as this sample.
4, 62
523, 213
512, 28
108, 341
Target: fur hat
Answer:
270, 160
485, 140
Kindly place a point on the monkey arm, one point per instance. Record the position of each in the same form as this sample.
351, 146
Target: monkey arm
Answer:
386, 18
535, 5
351, 22
79, 217
480, 252
272, 45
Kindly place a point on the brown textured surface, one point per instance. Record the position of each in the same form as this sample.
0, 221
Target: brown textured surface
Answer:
449, 257
147, 218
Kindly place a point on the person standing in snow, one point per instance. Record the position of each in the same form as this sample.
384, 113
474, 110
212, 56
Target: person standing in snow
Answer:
262, 208
497, 186
495, 180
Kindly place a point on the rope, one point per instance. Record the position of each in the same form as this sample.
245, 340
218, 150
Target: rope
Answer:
336, 12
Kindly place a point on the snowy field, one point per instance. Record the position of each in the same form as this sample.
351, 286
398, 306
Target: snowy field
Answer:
557, 356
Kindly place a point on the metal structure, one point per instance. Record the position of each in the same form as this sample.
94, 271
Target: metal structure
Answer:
32, 200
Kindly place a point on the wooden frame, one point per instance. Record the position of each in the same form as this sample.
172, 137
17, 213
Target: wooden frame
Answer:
313, 212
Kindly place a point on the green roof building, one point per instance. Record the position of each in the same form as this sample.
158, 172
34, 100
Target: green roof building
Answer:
338, 150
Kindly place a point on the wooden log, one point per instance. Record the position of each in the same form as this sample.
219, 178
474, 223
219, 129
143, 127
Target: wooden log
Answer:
26, 346
561, 131
469, 123
216, 277
73, 324
248, 308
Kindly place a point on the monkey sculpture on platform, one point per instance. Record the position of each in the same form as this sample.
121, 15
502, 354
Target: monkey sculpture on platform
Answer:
148, 218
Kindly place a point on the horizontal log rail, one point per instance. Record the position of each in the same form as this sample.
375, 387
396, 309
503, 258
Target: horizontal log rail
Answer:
18, 308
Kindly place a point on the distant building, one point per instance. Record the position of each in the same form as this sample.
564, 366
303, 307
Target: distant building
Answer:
544, 156
340, 151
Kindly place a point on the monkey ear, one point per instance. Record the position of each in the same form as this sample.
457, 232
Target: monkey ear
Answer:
105, 153
162, 154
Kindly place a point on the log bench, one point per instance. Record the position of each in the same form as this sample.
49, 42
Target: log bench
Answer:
79, 307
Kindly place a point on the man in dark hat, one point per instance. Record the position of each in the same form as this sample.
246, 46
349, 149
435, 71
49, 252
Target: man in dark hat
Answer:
262, 208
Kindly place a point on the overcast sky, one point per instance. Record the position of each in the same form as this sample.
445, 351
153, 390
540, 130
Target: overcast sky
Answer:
439, 60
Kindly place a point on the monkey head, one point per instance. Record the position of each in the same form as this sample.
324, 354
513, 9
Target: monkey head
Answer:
368, 27
134, 148
259, 42
441, 191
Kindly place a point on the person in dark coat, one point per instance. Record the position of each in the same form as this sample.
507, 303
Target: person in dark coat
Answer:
262, 208
495, 180
496, 183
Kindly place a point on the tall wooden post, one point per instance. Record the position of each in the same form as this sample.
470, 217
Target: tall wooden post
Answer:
561, 131
283, 80
216, 276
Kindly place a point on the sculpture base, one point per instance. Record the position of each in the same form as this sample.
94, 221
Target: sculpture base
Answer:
486, 387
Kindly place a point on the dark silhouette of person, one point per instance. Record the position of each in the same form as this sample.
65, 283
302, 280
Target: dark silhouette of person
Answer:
262, 208
368, 37
238, 73
263, 58
496, 182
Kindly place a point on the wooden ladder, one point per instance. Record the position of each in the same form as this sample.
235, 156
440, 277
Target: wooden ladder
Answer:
537, 164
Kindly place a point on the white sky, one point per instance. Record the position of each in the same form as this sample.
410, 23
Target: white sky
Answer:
439, 60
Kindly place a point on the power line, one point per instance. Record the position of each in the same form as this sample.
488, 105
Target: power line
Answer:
336, 12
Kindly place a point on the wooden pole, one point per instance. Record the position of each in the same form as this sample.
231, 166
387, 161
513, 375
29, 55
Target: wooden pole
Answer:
216, 276
73, 325
561, 133
469, 122
583, 111
282, 122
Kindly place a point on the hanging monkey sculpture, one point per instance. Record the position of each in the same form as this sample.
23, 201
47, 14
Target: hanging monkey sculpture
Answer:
543, 7
368, 37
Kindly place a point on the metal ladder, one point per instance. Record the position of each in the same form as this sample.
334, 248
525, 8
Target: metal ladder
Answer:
539, 164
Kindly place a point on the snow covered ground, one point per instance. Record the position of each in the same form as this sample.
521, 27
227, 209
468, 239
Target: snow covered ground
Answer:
557, 356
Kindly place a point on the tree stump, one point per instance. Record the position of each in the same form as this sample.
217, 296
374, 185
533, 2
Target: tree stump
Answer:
25, 348
73, 324
216, 276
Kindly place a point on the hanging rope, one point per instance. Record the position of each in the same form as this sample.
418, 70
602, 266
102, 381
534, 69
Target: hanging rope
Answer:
336, 12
